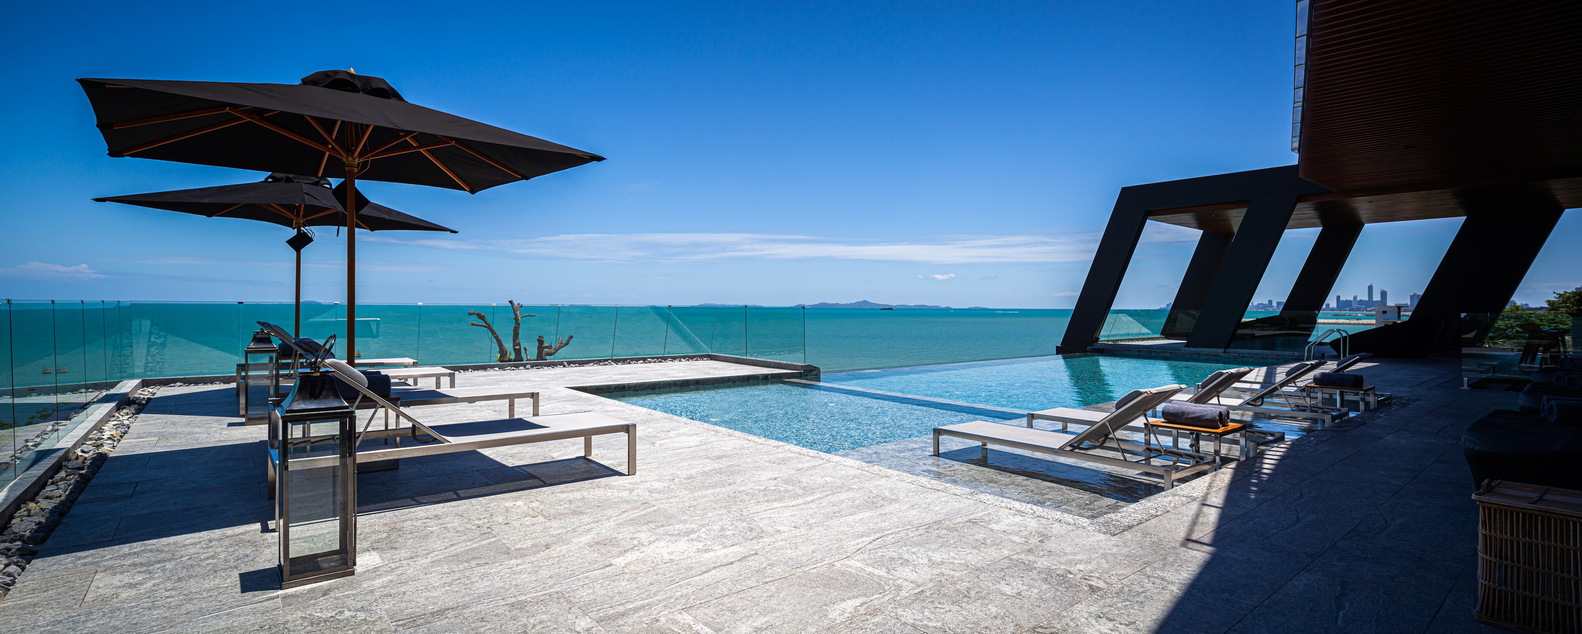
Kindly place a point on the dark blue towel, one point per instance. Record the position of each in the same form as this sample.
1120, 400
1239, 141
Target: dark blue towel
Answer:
1567, 380
1562, 411
378, 383
1207, 416
1337, 379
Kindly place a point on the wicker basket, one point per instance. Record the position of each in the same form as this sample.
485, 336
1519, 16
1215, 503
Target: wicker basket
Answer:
1529, 557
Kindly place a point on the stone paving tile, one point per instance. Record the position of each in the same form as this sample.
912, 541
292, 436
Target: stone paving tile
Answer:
1005, 596
802, 602
721, 532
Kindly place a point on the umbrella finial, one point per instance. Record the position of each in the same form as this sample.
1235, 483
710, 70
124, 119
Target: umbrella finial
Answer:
351, 70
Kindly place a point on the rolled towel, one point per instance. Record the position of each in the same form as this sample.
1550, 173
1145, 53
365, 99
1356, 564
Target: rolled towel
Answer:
378, 383
1567, 380
1206, 416
1562, 411
1337, 379
1569, 364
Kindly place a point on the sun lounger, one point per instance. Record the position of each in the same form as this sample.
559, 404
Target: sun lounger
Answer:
412, 375
1098, 444
468, 436
1287, 403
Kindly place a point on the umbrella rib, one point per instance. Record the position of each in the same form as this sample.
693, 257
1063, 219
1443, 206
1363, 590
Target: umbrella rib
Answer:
225, 210
321, 214
324, 161
279, 210
204, 112
277, 128
487, 159
178, 137
407, 150
327, 138
399, 138
443, 168
368, 131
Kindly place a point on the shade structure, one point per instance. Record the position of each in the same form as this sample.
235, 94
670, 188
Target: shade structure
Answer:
287, 200
333, 123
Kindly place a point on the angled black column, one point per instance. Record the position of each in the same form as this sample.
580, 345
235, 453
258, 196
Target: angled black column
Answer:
1104, 277
1268, 213
1323, 266
1490, 255
1193, 292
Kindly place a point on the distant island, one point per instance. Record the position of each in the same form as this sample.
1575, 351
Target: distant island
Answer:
866, 304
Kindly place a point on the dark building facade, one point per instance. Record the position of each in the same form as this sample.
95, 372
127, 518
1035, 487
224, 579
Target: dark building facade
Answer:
1402, 111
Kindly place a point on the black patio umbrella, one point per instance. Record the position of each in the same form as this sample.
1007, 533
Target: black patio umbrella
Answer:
295, 202
333, 123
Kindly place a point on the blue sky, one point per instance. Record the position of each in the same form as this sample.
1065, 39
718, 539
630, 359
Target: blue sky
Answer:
766, 153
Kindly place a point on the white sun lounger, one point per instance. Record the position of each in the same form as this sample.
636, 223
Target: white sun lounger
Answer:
1293, 404
1098, 443
412, 375
473, 435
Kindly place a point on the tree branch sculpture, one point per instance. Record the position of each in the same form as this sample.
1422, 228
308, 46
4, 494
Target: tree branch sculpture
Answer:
515, 352
545, 351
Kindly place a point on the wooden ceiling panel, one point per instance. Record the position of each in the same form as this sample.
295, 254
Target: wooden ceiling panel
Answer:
1429, 95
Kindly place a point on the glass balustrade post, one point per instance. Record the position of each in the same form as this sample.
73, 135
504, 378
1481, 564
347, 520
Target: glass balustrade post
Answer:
804, 335
615, 327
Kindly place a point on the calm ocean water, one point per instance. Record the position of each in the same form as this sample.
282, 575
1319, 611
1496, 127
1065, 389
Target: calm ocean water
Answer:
61, 343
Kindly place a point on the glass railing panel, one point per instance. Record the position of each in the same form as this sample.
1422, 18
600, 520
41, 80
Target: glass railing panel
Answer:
8, 397
1516, 344
33, 362
842, 339
641, 330
1124, 324
777, 333
73, 388
182, 339
691, 329
592, 329
448, 337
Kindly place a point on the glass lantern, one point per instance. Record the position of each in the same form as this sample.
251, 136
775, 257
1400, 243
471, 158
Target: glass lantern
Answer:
253, 380
313, 444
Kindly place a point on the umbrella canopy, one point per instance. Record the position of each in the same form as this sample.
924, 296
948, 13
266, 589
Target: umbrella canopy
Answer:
283, 199
331, 122
314, 128
287, 200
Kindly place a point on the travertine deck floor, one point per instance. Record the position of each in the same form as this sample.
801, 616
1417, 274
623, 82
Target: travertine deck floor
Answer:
1366, 529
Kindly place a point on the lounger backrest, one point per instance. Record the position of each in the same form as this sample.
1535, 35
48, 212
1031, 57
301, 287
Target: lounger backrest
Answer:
1209, 389
1291, 376
1346, 363
345, 372
1128, 408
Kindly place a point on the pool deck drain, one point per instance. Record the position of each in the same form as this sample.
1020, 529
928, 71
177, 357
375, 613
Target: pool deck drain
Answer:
724, 532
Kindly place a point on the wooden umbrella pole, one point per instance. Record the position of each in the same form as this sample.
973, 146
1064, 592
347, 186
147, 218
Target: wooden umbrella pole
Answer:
351, 260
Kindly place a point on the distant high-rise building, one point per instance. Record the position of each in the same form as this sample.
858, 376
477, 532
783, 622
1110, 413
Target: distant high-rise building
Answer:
1370, 293
1412, 299
1384, 297
1337, 302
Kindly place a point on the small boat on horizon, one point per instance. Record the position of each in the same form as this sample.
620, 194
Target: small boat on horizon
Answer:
888, 308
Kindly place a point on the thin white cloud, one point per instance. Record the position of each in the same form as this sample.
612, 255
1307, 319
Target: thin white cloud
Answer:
1066, 294
45, 270
682, 247
939, 277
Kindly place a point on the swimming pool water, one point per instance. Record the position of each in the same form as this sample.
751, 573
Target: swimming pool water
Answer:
807, 416
832, 419
1036, 383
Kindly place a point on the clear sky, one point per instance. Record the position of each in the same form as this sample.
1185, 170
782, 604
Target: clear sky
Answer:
963, 153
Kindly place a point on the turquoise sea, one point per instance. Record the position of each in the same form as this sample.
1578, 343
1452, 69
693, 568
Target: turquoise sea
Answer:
53, 347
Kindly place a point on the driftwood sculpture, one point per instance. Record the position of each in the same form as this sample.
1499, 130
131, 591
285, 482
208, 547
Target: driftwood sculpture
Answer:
545, 351
514, 353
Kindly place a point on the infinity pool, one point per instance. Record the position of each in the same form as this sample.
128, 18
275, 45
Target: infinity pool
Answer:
866, 408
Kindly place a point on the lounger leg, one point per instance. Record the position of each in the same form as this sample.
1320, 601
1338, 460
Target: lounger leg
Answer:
452, 380
631, 450
535, 403
985, 451
936, 437
587, 446
510, 408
